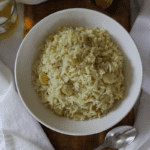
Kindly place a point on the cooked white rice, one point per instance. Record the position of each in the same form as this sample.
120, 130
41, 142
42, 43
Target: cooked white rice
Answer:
84, 70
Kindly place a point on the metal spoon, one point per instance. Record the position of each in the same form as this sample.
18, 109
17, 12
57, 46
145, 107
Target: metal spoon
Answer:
119, 137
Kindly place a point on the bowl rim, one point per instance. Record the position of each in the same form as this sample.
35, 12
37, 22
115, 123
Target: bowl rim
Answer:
58, 130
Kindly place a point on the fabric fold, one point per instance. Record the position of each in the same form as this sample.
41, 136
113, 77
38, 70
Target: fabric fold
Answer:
140, 33
19, 130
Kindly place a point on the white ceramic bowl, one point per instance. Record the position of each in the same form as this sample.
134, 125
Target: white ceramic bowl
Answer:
27, 54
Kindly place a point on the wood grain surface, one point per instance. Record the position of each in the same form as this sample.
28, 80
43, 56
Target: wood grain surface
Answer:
32, 15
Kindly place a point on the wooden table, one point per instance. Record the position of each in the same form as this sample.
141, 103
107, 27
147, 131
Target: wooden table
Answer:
33, 14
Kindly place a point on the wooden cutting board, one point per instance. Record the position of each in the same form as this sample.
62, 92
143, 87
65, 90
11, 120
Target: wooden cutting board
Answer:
32, 15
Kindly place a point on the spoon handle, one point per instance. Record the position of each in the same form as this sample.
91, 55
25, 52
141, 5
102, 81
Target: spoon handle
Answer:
104, 145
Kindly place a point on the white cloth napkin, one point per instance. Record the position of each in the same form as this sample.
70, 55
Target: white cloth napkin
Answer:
18, 129
141, 35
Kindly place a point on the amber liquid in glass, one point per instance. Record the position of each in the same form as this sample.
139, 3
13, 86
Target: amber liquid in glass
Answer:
8, 18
